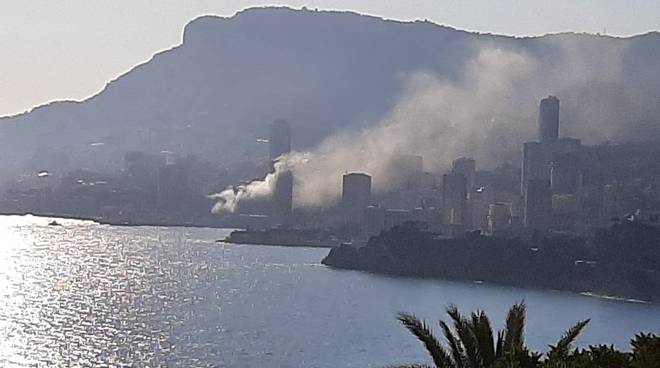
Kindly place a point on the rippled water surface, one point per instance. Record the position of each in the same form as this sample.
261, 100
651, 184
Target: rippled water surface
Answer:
85, 294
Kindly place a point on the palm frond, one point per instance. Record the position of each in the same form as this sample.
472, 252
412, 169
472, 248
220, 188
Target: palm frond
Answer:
466, 337
563, 346
455, 346
514, 339
499, 345
483, 332
421, 330
452, 311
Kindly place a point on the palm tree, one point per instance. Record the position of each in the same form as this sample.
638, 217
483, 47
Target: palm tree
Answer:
645, 351
596, 356
471, 343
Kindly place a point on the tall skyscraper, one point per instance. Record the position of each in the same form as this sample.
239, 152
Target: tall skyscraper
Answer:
454, 198
283, 196
538, 204
548, 159
355, 195
280, 139
549, 120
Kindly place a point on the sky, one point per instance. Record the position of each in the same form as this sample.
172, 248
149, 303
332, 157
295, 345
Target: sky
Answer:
69, 49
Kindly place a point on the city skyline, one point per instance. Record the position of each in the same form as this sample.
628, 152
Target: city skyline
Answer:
76, 48
302, 184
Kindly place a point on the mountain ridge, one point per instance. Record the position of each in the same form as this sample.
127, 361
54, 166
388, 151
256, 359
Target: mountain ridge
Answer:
345, 12
325, 71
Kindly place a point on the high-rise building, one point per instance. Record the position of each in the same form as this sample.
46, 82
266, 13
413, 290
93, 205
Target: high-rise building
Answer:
549, 120
283, 196
549, 158
535, 163
356, 195
537, 156
454, 198
280, 139
467, 167
538, 204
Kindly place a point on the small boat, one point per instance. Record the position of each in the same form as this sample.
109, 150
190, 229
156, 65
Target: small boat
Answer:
54, 223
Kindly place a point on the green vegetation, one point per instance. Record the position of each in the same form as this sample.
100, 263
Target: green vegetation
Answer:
471, 343
622, 260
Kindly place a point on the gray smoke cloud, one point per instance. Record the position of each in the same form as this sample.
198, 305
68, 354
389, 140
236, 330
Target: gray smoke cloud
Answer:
486, 113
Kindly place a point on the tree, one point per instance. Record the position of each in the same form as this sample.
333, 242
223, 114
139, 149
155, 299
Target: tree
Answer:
596, 356
645, 351
472, 344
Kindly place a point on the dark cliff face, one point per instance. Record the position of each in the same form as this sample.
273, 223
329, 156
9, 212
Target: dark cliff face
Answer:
217, 91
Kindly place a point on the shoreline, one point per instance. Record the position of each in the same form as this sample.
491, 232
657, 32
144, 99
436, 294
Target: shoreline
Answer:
576, 293
571, 264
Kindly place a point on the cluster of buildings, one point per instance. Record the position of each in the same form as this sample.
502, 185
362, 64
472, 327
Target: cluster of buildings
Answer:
559, 184
546, 192
161, 188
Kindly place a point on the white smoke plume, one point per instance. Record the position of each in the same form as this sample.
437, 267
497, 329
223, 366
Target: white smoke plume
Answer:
229, 199
486, 113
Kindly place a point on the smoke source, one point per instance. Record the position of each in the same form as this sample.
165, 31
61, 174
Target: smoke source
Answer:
228, 200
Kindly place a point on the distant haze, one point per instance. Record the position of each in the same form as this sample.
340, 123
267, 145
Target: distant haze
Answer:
55, 50
357, 91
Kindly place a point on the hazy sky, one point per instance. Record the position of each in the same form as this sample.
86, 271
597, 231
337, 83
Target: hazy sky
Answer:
69, 49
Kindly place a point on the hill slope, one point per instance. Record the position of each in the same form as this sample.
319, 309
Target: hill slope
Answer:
324, 72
